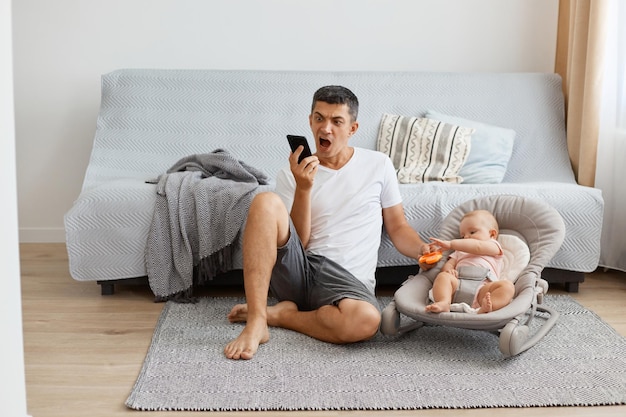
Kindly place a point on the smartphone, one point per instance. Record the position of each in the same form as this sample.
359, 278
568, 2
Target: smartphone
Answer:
295, 141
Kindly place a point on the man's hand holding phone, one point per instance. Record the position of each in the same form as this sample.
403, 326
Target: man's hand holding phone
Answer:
295, 142
303, 170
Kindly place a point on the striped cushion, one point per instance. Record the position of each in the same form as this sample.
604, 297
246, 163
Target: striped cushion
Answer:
424, 150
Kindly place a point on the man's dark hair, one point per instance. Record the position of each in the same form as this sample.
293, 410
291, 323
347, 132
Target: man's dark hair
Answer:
336, 94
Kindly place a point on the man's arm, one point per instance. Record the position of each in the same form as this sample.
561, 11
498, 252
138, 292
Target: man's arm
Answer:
301, 214
304, 174
404, 238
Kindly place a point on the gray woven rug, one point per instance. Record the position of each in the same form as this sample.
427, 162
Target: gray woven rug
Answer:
582, 361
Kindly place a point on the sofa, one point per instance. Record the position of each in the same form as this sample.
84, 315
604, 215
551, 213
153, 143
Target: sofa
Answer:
511, 125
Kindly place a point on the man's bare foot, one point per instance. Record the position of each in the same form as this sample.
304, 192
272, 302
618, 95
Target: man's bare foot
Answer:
485, 305
248, 341
274, 312
238, 313
256, 332
438, 307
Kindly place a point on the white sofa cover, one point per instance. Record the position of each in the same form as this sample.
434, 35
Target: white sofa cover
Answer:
150, 118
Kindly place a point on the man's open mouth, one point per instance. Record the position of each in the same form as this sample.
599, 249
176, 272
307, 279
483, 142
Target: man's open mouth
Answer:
324, 143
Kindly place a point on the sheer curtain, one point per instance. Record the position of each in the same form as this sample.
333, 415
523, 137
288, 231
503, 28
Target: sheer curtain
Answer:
611, 153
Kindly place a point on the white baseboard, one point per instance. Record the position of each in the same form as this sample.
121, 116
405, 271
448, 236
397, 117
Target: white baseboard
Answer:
42, 235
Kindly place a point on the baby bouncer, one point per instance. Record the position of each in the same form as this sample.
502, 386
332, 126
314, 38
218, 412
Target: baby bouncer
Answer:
530, 234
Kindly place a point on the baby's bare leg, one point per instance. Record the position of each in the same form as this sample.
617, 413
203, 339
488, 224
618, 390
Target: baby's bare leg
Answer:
485, 303
444, 287
495, 295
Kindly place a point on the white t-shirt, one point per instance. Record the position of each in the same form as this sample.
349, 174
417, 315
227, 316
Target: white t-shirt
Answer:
346, 210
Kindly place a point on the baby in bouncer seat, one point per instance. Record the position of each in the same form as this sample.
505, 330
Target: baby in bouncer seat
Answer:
474, 267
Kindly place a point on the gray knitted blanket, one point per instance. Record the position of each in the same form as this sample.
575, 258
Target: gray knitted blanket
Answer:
202, 204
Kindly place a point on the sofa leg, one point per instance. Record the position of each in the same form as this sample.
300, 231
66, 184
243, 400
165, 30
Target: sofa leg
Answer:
569, 279
106, 288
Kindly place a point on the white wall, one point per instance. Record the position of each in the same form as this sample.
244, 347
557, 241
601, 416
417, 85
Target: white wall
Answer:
62, 47
12, 380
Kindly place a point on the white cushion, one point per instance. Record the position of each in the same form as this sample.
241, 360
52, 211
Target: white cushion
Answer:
516, 256
492, 147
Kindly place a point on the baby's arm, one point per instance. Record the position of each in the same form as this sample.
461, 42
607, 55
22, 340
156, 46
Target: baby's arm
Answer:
473, 246
450, 267
476, 247
443, 244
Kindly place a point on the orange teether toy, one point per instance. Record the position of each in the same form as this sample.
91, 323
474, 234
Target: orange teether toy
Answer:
431, 257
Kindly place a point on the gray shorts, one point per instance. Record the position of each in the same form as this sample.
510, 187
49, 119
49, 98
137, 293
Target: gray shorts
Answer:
313, 281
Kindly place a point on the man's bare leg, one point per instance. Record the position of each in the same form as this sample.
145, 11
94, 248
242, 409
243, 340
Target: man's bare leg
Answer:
350, 321
267, 228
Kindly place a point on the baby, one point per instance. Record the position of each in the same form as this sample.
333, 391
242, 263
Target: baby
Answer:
477, 247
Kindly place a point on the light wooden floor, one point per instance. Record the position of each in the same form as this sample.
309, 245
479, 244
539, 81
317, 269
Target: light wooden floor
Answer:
83, 351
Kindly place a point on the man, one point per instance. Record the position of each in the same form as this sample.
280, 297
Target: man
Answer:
314, 243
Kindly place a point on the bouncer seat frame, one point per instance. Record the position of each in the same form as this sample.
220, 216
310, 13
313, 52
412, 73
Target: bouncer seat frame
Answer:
540, 227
